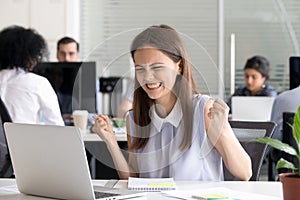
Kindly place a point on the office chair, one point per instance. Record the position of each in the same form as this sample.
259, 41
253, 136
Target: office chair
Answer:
6, 170
287, 137
246, 131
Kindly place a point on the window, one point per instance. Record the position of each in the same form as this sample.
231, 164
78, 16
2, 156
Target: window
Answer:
270, 28
109, 26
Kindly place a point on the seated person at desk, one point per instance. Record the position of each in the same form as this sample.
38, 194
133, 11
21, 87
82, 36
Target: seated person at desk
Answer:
67, 51
29, 98
256, 73
287, 101
173, 130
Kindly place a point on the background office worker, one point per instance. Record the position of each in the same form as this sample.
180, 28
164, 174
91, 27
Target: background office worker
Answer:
256, 73
67, 50
173, 130
287, 101
29, 98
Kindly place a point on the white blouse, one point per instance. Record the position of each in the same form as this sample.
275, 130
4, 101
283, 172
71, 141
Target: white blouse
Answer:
161, 157
29, 98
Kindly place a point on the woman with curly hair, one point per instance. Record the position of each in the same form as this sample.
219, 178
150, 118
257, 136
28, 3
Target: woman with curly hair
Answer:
29, 98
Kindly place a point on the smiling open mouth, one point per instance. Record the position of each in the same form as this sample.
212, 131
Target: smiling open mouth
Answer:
153, 85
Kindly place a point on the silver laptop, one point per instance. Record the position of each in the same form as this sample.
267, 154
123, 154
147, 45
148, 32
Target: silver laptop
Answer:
50, 161
247, 108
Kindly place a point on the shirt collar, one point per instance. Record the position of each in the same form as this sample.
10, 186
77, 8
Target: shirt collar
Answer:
174, 117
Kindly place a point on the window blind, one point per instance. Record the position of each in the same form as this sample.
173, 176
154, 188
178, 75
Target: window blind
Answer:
109, 26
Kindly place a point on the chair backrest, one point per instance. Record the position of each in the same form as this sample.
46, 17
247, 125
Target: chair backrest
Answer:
245, 132
6, 170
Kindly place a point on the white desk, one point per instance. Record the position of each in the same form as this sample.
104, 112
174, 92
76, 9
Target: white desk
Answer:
272, 189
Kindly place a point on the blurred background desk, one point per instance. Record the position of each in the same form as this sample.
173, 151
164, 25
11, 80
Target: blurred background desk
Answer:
93, 137
101, 164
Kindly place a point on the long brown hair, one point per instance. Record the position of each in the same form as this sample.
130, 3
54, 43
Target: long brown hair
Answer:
167, 40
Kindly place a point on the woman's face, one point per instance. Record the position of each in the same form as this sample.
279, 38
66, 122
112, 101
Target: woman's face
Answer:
254, 80
156, 73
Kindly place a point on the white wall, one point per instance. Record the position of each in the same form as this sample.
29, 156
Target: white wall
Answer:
53, 19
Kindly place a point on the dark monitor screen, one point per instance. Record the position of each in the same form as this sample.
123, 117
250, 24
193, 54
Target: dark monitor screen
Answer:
294, 72
73, 82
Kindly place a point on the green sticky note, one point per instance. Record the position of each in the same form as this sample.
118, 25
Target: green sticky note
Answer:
210, 197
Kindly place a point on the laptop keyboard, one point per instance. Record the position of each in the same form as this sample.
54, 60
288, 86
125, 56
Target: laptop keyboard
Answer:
99, 195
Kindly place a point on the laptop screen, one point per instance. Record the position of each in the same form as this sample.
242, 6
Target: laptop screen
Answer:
50, 161
246, 108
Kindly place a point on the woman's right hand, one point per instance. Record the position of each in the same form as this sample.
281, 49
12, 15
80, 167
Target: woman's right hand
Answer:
104, 129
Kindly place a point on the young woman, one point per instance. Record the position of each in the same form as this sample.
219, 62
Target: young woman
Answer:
173, 130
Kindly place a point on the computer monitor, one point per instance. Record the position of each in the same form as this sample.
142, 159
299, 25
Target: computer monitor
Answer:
73, 82
294, 72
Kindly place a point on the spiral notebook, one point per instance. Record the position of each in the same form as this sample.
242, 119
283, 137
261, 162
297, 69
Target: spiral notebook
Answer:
151, 184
